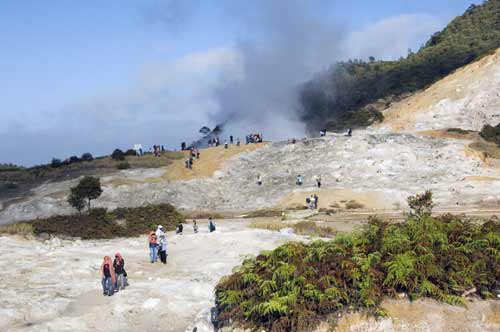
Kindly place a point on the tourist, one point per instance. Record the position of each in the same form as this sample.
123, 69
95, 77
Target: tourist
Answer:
153, 247
179, 228
108, 276
211, 225
299, 180
195, 226
316, 201
120, 274
238, 141
225, 144
231, 139
259, 180
318, 181
313, 202
349, 132
162, 248
197, 154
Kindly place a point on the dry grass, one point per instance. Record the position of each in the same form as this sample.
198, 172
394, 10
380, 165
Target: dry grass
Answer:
22, 229
264, 213
302, 227
489, 150
211, 160
202, 215
353, 205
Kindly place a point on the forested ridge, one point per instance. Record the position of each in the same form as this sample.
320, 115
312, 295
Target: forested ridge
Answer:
341, 96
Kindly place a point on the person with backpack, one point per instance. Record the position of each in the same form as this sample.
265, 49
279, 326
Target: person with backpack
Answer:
108, 276
120, 274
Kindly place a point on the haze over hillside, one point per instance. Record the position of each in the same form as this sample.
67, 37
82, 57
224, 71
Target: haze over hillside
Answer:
151, 77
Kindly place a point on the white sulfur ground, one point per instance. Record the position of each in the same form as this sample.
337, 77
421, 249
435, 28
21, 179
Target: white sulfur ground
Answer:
55, 286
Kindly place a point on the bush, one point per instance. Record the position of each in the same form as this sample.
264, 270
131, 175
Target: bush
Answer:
55, 163
131, 152
352, 205
118, 155
74, 159
87, 157
123, 165
102, 224
297, 285
491, 134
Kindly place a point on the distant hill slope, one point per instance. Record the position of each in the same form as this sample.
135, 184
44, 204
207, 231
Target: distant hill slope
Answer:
467, 99
340, 97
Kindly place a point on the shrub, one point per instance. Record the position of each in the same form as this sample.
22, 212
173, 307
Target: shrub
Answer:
123, 165
421, 204
131, 152
352, 205
73, 159
102, 224
118, 155
55, 163
87, 156
297, 285
491, 134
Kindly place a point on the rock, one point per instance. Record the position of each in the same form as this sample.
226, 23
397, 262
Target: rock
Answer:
44, 236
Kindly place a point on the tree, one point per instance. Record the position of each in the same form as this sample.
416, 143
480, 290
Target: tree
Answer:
56, 163
87, 156
76, 200
88, 188
421, 204
118, 155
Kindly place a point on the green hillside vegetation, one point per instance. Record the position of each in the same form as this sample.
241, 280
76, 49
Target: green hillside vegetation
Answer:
342, 96
16, 180
297, 285
102, 224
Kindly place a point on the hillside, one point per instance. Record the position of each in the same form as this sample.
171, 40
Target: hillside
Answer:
340, 97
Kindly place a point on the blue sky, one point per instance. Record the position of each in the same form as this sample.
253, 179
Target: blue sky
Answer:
92, 71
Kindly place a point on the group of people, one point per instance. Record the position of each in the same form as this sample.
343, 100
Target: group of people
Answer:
157, 242
254, 138
312, 202
114, 276
158, 149
193, 153
299, 180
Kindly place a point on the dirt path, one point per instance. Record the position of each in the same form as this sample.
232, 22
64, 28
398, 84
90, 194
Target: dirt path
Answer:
56, 286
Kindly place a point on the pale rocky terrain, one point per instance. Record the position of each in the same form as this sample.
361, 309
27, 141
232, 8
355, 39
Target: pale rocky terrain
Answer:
55, 285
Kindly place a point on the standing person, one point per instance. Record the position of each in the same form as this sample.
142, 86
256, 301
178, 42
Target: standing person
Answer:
195, 226
238, 141
197, 154
316, 201
119, 266
153, 246
108, 276
349, 132
318, 181
225, 144
231, 139
313, 202
259, 180
179, 228
162, 248
299, 180
211, 225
